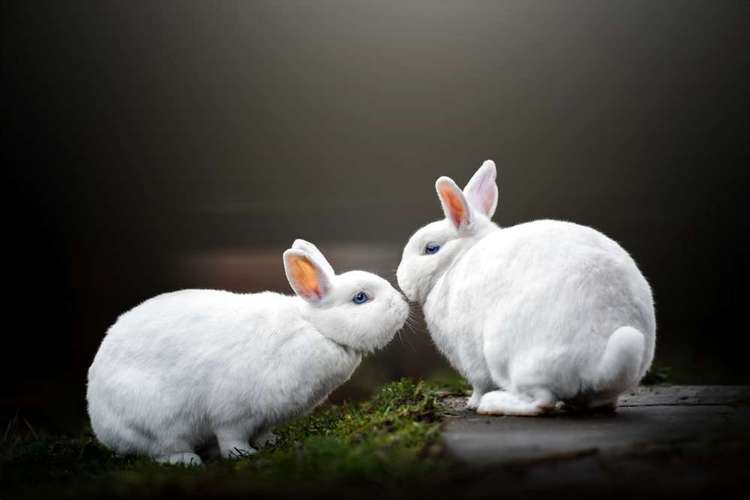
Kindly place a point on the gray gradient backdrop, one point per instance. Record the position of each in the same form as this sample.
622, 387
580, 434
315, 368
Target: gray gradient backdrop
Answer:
150, 146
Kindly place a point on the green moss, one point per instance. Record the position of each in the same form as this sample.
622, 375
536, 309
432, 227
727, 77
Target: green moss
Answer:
451, 382
390, 438
657, 375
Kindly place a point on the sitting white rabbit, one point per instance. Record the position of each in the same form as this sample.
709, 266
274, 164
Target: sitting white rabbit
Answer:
535, 315
183, 368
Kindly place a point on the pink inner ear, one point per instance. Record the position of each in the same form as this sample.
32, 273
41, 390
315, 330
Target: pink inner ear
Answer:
456, 208
306, 277
486, 194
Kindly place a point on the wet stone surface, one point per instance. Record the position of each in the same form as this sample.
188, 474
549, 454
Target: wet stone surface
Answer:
673, 440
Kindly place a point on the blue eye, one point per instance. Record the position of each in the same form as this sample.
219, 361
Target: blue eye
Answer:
431, 248
360, 298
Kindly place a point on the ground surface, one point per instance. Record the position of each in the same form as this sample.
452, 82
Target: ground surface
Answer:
414, 440
369, 447
689, 441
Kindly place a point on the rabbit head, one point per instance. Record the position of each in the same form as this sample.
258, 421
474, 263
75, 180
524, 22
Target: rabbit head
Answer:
432, 249
355, 309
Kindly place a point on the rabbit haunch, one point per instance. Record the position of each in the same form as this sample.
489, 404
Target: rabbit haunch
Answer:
532, 315
187, 367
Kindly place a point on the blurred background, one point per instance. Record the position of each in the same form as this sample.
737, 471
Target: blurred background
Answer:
149, 147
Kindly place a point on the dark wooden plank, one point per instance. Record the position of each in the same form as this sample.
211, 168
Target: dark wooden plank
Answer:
651, 419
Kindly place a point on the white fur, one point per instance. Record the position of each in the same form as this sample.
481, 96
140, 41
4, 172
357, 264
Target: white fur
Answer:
532, 315
185, 367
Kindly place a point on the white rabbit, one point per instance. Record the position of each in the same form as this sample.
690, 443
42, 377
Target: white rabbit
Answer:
186, 367
535, 315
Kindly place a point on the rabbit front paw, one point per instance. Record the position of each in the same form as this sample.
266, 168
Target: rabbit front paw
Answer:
233, 444
265, 440
185, 458
238, 450
473, 402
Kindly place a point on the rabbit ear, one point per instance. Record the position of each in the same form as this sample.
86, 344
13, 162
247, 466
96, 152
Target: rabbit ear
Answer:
307, 278
481, 190
312, 251
455, 206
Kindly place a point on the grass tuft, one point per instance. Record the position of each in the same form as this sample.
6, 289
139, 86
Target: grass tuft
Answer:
657, 375
391, 437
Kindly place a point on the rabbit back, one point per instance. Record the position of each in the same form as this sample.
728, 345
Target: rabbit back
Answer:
539, 302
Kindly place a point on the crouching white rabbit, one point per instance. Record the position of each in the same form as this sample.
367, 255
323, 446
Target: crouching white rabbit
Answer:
534, 316
184, 368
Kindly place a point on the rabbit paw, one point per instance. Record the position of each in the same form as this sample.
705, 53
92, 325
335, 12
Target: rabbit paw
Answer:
233, 444
473, 402
185, 458
238, 450
506, 403
266, 439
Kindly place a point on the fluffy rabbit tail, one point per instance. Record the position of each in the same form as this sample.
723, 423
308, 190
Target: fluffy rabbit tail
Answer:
620, 366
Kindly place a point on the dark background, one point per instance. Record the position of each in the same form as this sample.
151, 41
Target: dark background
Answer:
151, 146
